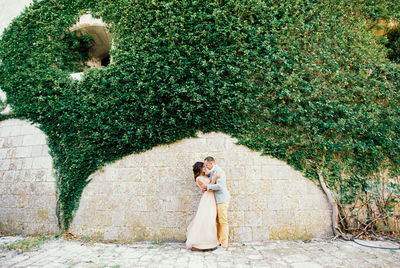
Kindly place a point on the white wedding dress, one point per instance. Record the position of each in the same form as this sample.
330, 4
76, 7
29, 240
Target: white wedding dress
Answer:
202, 231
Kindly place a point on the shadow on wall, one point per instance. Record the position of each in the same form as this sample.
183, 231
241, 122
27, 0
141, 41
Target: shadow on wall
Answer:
153, 196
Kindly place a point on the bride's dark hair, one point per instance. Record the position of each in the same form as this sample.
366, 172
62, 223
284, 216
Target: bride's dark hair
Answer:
197, 167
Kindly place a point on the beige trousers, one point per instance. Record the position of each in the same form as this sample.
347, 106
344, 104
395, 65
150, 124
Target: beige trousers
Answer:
222, 223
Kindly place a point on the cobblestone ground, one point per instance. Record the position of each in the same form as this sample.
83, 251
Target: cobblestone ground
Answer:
316, 253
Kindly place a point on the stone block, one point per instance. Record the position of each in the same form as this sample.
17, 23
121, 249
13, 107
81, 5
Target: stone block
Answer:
323, 202
269, 218
4, 164
231, 146
130, 233
42, 201
242, 234
12, 142
216, 143
46, 188
260, 233
96, 232
10, 175
310, 201
8, 142
123, 174
236, 218
255, 187
27, 130
37, 150
17, 141
24, 175
274, 202
157, 160
16, 164
19, 176
253, 218
111, 233
23, 152
3, 154
102, 218
299, 187
5, 131
3, 189
11, 200
258, 202
265, 187
240, 202
285, 217
111, 175
133, 218
13, 188
11, 153
51, 177
39, 175
45, 150
280, 232
194, 146
276, 172
235, 187
292, 202
42, 163
304, 217
138, 203
154, 203
236, 173
35, 139
175, 219
27, 163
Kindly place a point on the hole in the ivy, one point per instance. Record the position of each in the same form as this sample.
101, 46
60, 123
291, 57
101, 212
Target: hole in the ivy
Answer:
99, 52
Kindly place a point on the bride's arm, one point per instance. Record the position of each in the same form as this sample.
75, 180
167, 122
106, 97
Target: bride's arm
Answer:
200, 183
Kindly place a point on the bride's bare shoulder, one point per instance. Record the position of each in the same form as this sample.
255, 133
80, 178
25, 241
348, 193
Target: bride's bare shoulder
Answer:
202, 178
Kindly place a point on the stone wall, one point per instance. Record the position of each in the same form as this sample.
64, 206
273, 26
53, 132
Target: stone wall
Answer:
27, 183
153, 196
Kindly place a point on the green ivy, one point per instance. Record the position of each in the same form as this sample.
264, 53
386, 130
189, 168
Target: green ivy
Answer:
304, 81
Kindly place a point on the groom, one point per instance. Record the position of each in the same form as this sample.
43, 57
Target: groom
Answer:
222, 198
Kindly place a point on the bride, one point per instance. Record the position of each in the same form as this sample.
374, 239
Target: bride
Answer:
202, 231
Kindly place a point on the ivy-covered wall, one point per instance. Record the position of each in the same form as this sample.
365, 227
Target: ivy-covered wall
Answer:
307, 82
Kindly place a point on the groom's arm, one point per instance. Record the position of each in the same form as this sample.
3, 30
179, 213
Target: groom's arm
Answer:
217, 186
215, 178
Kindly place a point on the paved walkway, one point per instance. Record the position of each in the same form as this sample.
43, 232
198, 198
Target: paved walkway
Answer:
316, 253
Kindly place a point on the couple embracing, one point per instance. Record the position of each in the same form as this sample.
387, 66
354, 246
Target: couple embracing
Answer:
209, 229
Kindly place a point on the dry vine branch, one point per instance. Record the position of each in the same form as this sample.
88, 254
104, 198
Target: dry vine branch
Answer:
335, 211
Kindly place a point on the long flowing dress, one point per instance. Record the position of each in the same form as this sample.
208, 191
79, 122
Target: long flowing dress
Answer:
202, 231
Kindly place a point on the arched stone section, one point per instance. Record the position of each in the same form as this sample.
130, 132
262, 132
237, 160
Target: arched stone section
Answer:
152, 195
27, 182
97, 29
